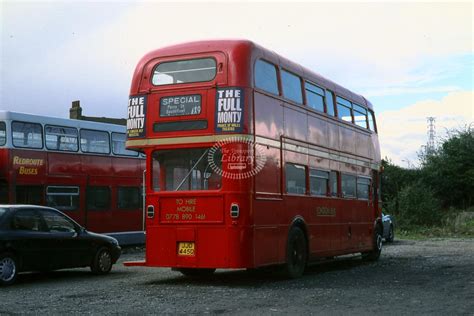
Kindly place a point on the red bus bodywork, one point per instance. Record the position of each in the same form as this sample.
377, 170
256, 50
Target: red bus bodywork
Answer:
287, 133
33, 174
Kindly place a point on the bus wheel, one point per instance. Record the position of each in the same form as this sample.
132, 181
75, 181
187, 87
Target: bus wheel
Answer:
375, 253
8, 269
196, 271
296, 253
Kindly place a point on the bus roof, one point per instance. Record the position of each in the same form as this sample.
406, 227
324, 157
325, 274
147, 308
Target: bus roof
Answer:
232, 46
45, 120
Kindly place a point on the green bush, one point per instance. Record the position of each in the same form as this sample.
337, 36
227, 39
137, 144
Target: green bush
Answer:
418, 206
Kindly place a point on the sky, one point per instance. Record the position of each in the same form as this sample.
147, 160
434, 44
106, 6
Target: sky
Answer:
411, 60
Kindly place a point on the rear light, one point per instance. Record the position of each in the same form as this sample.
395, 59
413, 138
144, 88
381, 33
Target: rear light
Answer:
150, 211
234, 210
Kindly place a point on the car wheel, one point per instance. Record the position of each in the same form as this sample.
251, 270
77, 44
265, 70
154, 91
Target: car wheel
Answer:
296, 253
377, 243
102, 263
8, 269
196, 272
391, 235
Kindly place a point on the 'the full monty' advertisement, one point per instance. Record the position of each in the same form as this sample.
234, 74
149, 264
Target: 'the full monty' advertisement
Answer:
230, 110
136, 116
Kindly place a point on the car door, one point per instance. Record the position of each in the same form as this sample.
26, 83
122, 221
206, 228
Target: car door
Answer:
71, 250
30, 239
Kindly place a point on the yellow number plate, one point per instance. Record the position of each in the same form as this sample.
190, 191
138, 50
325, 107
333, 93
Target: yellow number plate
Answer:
186, 249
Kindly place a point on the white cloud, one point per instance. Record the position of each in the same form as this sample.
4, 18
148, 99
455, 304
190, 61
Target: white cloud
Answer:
408, 90
365, 47
403, 132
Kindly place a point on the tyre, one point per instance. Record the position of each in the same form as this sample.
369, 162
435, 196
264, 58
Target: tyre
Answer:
102, 263
377, 244
296, 253
391, 235
8, 269
196, 272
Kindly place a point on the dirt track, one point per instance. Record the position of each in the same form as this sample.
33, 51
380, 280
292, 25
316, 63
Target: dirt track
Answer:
422, 277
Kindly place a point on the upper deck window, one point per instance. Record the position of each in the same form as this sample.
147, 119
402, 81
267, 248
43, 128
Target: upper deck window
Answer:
184, 71
27, 135
314, 96
344, 110
371, 121
3, 133
360, 115
266, 77
330, 103
61, 138
118, 145
95, 141
291, 86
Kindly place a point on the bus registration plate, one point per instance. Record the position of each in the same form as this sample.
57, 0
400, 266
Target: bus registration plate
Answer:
186, 249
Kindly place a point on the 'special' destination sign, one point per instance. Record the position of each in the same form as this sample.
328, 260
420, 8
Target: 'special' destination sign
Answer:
180, 105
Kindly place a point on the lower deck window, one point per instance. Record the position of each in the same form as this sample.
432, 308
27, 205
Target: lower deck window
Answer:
64, 198
348, 185
3, 192
98, 198
363, 188
295, 179
188, 169
319, 182
333, 183
129, 198
29, 194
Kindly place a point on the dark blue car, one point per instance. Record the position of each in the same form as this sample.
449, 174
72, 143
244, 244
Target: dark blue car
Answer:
36, 238
388, 227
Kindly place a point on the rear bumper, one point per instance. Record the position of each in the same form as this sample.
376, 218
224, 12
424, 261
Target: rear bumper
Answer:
215, 247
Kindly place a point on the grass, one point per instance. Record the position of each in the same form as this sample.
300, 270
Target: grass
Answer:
421, 233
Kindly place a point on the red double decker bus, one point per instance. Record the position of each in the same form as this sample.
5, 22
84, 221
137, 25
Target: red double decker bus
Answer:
252, 160
79, 167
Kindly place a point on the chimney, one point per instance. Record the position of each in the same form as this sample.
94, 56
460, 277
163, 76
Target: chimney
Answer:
75, 112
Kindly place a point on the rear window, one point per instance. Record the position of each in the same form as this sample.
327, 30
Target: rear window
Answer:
186, 169
184, 71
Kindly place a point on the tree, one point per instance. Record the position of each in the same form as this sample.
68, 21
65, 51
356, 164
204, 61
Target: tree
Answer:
394, 179
449, 171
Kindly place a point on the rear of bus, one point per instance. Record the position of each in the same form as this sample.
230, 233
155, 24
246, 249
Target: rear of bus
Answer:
190, 112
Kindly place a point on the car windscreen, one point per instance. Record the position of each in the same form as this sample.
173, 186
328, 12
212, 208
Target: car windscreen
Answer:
3, 211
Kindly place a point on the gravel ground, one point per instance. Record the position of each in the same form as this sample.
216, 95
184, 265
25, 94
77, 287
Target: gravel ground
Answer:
434, 277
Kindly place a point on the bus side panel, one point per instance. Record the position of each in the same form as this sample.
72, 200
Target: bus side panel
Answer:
266, 215
268, 116
64, 164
